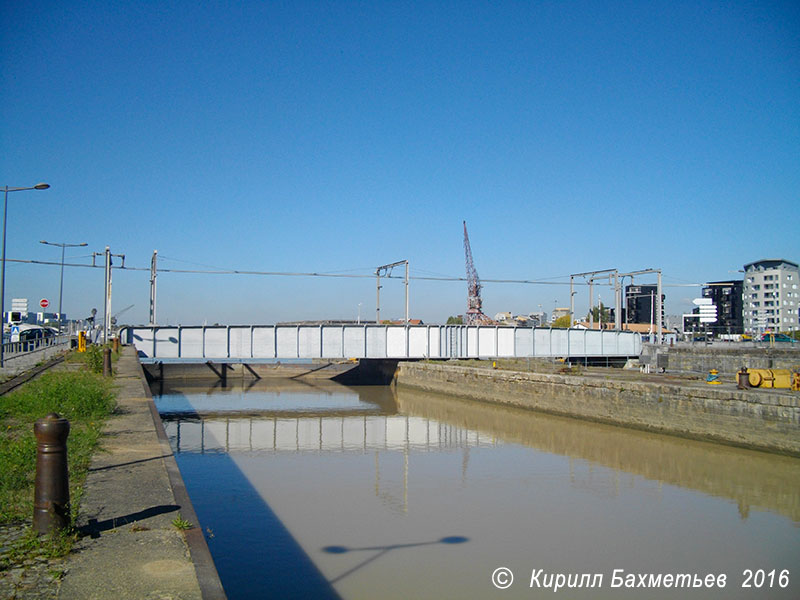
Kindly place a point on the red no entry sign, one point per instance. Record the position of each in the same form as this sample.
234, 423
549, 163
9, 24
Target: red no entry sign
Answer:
44, 302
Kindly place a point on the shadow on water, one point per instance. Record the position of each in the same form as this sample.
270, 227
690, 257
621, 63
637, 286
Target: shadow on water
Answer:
257, 557
383, 550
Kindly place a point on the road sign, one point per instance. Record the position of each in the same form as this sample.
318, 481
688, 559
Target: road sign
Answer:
44, 302
706, 310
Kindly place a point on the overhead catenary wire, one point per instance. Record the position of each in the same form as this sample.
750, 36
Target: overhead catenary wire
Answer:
333, 274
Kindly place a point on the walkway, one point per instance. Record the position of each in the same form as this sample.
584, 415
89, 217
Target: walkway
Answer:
132, 494
133, 491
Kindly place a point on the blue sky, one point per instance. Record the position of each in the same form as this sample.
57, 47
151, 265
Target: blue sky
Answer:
339, 136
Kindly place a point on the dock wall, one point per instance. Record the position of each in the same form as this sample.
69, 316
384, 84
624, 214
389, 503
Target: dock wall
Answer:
759, 419
725, 359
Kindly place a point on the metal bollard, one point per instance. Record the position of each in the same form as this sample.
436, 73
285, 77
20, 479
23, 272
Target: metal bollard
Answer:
116, 345
106, 362
51, 491
743, 379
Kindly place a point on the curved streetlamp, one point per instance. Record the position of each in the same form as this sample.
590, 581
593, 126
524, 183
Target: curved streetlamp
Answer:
6, 189
61, 287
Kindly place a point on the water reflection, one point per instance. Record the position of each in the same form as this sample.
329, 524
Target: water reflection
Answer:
750, 478
375, 493
289, 416
269, 397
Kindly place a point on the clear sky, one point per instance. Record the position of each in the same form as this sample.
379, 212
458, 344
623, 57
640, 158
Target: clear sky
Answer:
340, 136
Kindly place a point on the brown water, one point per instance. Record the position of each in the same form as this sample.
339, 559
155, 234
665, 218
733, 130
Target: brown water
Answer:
331, 491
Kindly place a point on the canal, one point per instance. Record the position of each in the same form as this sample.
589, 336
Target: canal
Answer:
326, 491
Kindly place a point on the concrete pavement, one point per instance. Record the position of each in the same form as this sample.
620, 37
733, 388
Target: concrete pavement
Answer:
132, 494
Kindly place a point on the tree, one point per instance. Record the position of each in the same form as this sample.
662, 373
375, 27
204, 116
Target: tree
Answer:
455, 321
595, 313
563, 322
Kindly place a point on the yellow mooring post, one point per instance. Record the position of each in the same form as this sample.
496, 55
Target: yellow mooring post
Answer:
713, 377
81, 341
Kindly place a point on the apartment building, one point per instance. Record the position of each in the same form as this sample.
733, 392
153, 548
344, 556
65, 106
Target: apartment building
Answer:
771, 296
727, 297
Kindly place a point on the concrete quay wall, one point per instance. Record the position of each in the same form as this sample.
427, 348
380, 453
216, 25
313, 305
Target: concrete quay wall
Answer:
725, 359
758, 419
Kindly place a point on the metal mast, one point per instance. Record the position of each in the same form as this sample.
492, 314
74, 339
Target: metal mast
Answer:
153, 275
475, 315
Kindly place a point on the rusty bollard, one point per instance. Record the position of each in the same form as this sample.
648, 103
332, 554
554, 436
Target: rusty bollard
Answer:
116, 345
743, 379
106, 362
51, 491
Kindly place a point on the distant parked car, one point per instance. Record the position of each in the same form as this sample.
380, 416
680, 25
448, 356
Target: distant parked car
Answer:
777, 337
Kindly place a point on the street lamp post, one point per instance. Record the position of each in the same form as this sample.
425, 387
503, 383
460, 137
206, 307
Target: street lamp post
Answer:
6, 189
61, 287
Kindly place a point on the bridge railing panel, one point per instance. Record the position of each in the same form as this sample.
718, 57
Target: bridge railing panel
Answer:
505, 342
541, 342
309, 342
601, 343
377, 342
333, 342
286, 342
216, 342
434, 346
523, 341
165, 341
354, 342
579, 341
395, 342
240, 344
470, 344
417, 342
264, 342
487, 342
558, 342
192, 342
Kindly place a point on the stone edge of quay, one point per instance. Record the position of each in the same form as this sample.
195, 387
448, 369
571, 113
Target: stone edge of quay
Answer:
205, 569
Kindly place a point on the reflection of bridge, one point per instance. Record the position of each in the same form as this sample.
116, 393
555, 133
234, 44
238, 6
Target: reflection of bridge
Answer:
251, 343
751, 479
318, 434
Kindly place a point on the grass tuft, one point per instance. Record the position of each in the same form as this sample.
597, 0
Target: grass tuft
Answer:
180, 523
85, 399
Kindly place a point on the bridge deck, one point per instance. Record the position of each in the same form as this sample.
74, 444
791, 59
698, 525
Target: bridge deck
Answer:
244, 343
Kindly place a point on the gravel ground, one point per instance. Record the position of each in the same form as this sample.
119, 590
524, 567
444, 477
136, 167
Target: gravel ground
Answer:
27, 577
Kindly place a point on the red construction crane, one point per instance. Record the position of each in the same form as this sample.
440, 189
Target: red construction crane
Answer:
474, 314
